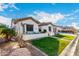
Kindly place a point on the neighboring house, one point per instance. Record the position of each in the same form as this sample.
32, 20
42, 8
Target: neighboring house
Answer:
46, 28
66, 29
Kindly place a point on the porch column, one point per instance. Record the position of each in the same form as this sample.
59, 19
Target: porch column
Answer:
25, 28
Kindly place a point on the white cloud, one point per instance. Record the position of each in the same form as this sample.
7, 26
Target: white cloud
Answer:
54, 18
1, 7
75, 25
12, 5
76, 10
5, 20
72, 18
47, 17
73, 13
11, 10
4, 6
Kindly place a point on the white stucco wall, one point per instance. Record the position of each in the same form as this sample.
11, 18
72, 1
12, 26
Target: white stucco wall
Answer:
47, 29
31, 22
52, 32
19, 28
44, 27
59, 29
34, 36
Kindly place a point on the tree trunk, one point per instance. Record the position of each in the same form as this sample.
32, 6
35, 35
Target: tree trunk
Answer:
6, 37
21, 42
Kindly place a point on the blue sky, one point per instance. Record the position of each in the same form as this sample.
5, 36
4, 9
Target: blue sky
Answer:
58, 13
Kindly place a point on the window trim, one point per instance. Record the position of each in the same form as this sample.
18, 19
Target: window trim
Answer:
32, 29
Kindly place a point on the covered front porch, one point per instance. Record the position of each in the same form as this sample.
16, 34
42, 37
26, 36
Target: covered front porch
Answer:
30, 32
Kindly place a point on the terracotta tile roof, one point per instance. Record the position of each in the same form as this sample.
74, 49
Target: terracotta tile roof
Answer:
22, 19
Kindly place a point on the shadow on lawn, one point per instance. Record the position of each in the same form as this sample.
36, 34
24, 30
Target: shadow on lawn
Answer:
49, 45
59, 35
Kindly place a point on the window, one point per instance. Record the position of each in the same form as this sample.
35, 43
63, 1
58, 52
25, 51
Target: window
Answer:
39, 30
44, 31
29, 27
49, 28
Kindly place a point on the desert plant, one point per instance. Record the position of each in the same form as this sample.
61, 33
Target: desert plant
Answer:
8, 32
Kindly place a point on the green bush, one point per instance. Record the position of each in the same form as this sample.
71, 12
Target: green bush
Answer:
8, 32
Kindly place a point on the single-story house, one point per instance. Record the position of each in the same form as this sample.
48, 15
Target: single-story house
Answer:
28, 28
26, 25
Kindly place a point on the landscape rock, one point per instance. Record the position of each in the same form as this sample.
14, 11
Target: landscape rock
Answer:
2, 40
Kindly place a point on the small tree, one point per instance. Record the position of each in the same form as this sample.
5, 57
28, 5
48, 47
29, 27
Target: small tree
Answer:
2, 26
9, 33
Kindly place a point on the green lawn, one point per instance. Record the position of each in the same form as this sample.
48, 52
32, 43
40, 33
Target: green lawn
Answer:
63, 36
52, 46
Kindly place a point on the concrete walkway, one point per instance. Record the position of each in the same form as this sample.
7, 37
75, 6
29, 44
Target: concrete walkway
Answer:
77, 50
29, 50
35, 51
